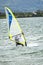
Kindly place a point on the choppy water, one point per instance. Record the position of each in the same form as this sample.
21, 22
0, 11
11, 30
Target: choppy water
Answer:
30, 55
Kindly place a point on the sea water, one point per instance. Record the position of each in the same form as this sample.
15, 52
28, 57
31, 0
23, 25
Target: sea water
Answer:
30, 55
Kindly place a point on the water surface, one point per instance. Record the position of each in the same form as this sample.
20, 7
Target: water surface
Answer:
30, 55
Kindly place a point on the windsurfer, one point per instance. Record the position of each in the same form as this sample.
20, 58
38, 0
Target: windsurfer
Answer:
19, 40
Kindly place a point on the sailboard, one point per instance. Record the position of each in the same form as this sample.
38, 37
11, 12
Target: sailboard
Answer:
14, 28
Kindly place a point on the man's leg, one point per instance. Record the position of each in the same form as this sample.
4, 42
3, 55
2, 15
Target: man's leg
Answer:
18, 44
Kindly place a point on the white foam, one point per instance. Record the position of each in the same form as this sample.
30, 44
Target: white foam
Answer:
32, 44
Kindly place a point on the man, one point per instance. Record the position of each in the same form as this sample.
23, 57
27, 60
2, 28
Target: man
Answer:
19, 39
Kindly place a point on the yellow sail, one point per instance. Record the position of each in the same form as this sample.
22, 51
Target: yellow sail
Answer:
13, 26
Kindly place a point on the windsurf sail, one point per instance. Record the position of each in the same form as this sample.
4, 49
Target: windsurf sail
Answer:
13, 25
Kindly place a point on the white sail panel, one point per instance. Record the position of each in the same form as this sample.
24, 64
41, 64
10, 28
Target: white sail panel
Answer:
14, 29
13, 24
